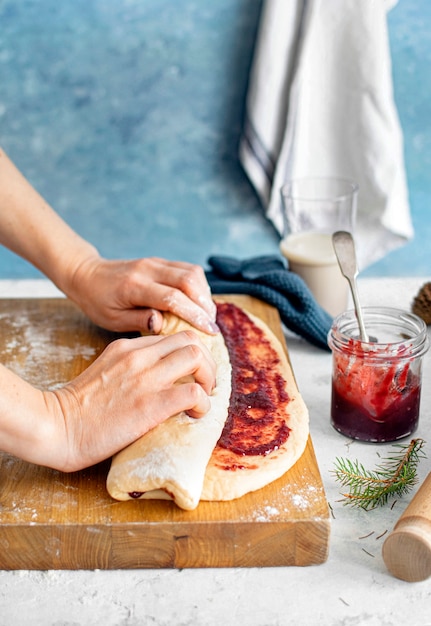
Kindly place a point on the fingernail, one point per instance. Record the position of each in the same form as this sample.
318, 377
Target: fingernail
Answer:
151, 322
213, 327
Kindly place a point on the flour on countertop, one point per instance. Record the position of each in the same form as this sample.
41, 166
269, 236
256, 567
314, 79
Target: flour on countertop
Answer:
291, 497
32, 350
267, 513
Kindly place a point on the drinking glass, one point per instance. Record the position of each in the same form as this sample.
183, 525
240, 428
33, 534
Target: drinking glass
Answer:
313, 209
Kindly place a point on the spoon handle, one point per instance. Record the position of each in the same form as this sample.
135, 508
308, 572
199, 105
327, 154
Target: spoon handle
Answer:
354, 290
344, 247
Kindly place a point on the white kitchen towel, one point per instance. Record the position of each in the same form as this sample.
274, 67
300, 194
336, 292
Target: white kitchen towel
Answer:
320, 103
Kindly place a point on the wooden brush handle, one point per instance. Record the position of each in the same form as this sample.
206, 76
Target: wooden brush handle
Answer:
407, 550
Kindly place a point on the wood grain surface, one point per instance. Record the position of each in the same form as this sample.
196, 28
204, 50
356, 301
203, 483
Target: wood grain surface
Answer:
53, 520
407, 549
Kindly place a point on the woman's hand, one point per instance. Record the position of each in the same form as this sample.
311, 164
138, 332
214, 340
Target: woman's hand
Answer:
131, 295
134, 385
118, 295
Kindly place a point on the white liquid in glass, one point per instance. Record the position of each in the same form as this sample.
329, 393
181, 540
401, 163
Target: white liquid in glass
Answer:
311, 256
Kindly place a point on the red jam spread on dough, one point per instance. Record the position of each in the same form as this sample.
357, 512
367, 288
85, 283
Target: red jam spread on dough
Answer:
373, 401
256, 422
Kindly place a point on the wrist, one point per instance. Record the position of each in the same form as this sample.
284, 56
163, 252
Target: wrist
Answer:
28, 429
72, 271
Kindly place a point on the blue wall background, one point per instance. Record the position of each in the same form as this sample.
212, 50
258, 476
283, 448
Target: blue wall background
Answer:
126, 114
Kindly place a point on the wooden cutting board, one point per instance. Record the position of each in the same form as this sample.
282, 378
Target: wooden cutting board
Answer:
52, 520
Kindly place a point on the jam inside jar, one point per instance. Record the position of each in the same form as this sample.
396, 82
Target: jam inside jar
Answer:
376, 386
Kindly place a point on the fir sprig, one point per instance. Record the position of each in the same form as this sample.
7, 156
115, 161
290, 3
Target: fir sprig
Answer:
395, 476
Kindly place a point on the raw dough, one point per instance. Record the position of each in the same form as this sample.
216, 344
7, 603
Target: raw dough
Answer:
181, 460
229, 475
169, 461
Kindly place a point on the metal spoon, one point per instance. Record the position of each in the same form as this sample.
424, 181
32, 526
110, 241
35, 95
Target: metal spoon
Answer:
344, 247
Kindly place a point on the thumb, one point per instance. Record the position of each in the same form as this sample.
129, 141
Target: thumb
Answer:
145, 320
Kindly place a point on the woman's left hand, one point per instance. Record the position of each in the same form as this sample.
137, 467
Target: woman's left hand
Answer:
125, 295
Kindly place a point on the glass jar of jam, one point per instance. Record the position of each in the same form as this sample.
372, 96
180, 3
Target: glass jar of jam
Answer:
376, 385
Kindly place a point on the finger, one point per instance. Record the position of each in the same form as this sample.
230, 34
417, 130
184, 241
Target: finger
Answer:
177, 356
181, 306
164, 344
151, 321
172, 299
191, 280
146, 320
173, 357
191, 360
188, 397
194, 284
178, 287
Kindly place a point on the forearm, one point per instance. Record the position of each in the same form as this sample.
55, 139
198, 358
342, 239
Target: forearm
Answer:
27, 427
119, 295
31, 228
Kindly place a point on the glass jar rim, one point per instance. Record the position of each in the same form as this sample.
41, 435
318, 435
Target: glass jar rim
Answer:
412, 329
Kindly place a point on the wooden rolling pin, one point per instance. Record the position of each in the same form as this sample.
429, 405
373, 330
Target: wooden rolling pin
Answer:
407, 550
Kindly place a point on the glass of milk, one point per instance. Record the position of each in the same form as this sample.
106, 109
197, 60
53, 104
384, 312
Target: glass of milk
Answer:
313, 209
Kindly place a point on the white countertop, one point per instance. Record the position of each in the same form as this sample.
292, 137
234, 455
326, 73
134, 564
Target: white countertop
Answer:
352, 588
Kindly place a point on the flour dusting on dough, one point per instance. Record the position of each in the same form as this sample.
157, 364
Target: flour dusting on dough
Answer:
172, 457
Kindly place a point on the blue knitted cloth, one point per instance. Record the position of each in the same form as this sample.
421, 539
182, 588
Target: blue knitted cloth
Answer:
267, 278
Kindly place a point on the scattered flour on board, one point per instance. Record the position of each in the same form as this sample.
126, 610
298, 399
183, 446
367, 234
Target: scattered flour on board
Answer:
266, 513
32, 350
290, 498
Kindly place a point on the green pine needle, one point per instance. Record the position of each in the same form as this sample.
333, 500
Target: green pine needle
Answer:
394, 477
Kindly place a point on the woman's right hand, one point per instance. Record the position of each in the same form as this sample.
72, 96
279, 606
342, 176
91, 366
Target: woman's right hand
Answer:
132, 386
